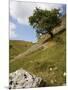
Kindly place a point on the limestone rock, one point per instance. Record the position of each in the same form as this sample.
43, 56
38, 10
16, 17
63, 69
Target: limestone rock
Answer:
22, 79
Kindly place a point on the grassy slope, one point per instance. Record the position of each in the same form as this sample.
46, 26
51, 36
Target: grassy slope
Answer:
17, 47
41, 61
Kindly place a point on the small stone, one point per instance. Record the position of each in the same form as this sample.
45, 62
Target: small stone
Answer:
50, 69
64, 74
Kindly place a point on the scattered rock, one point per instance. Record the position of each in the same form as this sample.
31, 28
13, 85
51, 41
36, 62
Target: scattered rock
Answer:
22, 79
64, 74
51, 69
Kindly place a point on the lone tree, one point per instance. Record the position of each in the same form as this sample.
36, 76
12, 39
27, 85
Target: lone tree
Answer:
45, 20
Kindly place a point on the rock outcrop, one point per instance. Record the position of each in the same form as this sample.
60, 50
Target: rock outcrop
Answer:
22, 79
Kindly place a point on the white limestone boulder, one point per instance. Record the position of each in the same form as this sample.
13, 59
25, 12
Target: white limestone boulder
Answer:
22, 79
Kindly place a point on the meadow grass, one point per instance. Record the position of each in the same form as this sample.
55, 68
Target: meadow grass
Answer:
50, 63
16, 47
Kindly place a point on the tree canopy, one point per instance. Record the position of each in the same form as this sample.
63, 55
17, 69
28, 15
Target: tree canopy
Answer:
45, 20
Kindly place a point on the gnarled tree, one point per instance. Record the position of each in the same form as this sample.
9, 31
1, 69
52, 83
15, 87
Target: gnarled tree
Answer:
45, 20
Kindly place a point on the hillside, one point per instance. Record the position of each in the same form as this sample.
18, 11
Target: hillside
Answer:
46, 58
47, 62
16, 47
43, 40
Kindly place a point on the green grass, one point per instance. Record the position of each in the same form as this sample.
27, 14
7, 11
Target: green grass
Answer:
40, 62
16, 47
